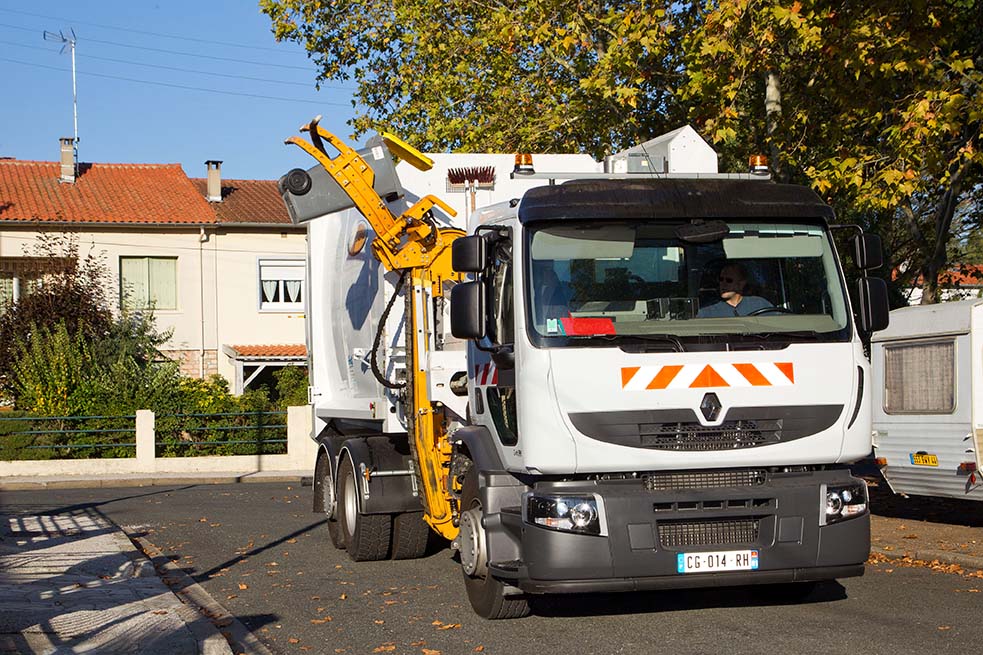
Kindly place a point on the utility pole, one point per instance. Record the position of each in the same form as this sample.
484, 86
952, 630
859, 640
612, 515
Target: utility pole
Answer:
69, 42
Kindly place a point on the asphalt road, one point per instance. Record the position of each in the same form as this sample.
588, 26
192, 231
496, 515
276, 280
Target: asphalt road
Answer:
260, 552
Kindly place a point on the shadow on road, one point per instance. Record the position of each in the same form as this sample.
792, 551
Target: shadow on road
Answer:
657, 602
924, 508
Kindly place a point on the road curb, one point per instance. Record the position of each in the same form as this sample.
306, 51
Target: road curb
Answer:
210, 639
232, 633
150, 480
968, 562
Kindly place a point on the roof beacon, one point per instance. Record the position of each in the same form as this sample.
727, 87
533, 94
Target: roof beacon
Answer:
758, 164
523, 165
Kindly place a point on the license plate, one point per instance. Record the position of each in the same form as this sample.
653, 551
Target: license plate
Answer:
725, 560
924, 459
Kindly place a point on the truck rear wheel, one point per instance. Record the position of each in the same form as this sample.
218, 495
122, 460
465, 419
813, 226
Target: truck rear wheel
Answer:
366, 536
410, 535
486, 594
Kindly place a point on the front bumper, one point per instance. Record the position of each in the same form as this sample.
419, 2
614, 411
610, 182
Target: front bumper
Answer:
646, 530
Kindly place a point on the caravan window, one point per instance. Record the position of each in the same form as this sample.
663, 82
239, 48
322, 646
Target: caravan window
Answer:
919, 378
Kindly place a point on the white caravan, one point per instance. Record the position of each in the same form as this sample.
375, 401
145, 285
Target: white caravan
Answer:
928, 399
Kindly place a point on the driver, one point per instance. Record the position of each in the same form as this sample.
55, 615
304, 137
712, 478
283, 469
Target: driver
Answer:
733, 302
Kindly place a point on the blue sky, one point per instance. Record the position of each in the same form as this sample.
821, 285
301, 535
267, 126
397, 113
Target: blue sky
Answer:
147, 117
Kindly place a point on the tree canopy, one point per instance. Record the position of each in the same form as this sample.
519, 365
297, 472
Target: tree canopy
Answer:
876, 105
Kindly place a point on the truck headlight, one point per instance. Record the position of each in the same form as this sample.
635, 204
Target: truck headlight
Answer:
581, 514
842, 502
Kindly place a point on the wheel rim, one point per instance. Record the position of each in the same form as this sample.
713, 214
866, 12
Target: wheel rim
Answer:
472, 540
327, 493
351, 505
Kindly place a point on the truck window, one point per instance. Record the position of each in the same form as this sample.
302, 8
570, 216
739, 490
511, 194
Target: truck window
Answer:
919, 378
637, 278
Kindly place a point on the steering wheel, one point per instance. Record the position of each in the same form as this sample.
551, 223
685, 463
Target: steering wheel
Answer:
636, 279
766, 310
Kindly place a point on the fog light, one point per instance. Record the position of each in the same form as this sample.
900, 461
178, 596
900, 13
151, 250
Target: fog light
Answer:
566, 513
844, 502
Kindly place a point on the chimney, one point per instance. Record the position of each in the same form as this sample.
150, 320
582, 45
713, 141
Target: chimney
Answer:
214, 189
67, 159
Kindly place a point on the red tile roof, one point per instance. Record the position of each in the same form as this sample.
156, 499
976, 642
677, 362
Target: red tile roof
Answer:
102, 193
272, 351
247, 201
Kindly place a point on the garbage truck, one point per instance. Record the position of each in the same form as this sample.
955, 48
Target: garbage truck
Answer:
612, 381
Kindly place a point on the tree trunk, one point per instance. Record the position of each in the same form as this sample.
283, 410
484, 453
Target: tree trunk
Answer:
773, 113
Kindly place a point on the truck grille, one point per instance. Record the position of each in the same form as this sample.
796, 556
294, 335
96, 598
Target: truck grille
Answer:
692, 436
704, 480
722, 532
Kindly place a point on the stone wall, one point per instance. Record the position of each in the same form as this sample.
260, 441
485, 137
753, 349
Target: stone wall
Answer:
190, 361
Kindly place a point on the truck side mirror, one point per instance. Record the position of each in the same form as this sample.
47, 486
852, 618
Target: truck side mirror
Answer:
467, 308
867, 253
874, 310
469, 254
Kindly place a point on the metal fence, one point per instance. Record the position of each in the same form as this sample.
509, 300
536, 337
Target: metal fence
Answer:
27, 437
67, 437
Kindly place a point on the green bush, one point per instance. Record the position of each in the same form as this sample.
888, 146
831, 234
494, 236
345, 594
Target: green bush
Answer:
291, 386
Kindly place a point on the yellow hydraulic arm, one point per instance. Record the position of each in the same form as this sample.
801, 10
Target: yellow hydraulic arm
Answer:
413, 244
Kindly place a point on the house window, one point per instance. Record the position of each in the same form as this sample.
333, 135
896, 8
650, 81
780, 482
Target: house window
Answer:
148, 282
281, 284
919, 378
21, 276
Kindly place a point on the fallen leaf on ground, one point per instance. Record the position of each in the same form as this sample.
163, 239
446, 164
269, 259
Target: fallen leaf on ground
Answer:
479, 649
343, 596
231, 596
945, 627
320, 621
385, 648
428, 651
160, 611
243, 586
293, 640
378, 621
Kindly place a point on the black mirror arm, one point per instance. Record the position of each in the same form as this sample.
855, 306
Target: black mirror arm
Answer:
504, 357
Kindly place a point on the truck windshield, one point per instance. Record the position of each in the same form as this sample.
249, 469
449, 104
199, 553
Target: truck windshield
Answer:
763, 280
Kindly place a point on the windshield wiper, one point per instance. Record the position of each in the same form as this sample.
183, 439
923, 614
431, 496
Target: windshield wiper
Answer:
805, 335
667, 339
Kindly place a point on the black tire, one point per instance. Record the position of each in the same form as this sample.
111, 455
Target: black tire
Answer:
410, 535
487, 595
366, 536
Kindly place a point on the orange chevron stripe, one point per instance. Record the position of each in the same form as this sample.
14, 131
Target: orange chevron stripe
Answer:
664, 377
708, 378
753, 375
787, 369
627, 374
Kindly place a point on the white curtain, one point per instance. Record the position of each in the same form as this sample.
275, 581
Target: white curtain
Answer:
6, 291
133, 282
920, 378
162, 272
269, 290
293, 290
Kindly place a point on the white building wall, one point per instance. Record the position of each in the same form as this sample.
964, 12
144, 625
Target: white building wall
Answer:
217, 284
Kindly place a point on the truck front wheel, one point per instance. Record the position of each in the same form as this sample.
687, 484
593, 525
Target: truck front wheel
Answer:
366, 536
486, 594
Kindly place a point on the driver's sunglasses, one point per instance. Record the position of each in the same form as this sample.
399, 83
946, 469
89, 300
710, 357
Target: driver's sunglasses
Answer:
728, 280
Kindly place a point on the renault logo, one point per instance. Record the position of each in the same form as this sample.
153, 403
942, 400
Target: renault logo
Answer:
710, 406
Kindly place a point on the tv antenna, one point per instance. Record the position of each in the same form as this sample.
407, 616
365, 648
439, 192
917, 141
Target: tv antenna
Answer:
69, 42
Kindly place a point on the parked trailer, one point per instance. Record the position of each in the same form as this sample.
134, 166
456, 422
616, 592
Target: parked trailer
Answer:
588, 419
928, 399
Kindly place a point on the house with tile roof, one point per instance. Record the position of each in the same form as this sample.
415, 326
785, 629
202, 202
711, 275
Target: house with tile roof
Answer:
217, 261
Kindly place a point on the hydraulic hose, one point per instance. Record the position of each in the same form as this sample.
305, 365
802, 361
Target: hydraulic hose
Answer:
373, 359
